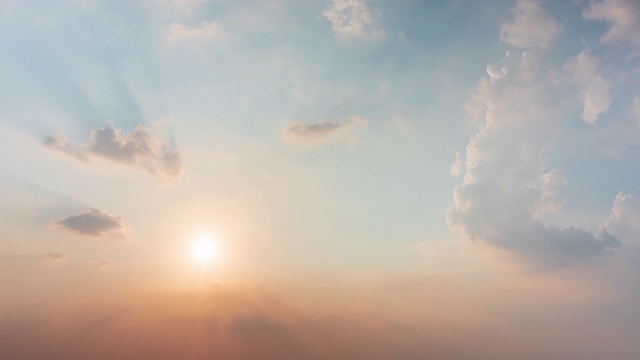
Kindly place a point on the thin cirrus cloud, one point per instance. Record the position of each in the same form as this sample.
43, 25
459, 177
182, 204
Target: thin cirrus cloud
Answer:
507, 185
624, 17
94, 222
139, 149
353, 19
318, 133
532, 26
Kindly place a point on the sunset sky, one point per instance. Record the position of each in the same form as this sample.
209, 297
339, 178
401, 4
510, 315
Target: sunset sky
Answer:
335, 179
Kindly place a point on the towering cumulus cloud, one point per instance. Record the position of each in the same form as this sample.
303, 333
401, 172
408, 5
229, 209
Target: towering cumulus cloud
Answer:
140, 149
507, 184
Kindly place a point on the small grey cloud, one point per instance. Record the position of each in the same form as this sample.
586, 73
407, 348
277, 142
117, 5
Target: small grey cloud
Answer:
53, 256
172, 163
102, 265
319, 133
53, 259
94, 222
139, 149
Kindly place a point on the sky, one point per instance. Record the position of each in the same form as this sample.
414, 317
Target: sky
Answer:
331, 179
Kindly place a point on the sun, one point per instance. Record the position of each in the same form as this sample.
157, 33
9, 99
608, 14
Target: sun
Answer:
204, 249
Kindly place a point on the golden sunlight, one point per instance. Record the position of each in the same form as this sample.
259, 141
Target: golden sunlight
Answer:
205, 249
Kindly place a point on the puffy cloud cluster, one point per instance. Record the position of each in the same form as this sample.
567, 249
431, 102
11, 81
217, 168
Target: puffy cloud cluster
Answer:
352, 19
320, 132
532, 26
94, 222
624, 17
139, 149
507, 185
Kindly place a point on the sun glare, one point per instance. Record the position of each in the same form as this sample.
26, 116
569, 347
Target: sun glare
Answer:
204, 249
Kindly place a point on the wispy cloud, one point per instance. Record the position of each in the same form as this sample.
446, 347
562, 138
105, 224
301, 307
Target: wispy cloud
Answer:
624, 17
139, 149
353, 19
53, 259
94, 222
195, 34
531, 27
318, 133
595, 90
625, 215
102, 265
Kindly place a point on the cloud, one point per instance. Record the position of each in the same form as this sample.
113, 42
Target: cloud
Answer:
53, 259
319, 133
532, 26
595, 90
102, 265
624, 220
353, 19
551, 185
139, 149
624, 17
53, 256
198, 34
94, 222
179, 8
507, 186
457, 166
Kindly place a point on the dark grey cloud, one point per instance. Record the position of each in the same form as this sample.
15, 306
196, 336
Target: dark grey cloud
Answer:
94, 222
318, 133
140, 149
